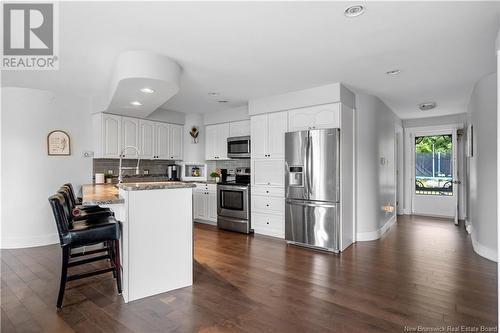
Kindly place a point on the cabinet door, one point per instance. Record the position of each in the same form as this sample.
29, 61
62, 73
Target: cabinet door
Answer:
268, 204
212, 205
199, 205
111, 136
162, 133
277, 127
222, 135
268, 172
327, 116
259, 132
147, 139
175, 151
210, 142
239, 128
130, 135
300, 119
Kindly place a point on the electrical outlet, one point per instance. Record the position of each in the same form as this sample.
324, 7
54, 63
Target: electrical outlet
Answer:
88, 154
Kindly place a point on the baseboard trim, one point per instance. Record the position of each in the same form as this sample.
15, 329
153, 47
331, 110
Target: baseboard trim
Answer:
373, 235
24, 242
484, 251
205, 222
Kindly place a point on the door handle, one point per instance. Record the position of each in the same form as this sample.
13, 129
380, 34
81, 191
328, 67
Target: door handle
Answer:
457, 182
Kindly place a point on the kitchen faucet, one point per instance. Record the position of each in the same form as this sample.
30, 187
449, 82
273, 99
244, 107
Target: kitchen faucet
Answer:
120, 168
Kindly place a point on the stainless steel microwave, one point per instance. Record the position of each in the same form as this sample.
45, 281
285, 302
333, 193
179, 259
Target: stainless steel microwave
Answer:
238, 147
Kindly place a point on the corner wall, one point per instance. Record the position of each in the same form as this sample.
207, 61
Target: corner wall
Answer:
29, 175
482, 114
375, 169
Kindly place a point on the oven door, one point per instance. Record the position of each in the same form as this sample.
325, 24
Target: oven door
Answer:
238, 147
232, 201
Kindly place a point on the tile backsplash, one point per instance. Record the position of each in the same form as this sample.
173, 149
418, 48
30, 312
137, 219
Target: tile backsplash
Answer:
155, 167
229, 164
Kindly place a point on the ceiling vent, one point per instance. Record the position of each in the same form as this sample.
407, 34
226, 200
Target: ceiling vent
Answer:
426, 106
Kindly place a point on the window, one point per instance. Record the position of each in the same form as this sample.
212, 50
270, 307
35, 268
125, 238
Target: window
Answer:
434, 165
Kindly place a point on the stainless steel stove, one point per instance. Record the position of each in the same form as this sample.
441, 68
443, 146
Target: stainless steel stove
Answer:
233, 202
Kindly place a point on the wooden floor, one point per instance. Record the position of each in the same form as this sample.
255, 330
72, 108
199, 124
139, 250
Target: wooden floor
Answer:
422, 272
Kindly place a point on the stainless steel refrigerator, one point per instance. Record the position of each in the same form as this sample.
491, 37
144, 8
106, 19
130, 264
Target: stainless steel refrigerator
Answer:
312, 188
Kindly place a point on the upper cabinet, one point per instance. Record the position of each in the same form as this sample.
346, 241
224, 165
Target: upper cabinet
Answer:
239, 128
268, 135
155, 140
175, 145
130, 135
314, 117
216, 141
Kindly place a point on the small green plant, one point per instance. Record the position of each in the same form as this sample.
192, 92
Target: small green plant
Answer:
214, 174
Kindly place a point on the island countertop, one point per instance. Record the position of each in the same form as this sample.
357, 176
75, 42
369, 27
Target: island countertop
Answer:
101, 194
145, 186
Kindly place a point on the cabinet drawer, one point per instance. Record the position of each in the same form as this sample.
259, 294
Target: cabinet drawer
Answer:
268, 191
268, 205
270, 225
206, 187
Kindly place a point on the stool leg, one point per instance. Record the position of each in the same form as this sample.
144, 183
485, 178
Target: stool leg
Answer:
64, 274
111, 253
118, 268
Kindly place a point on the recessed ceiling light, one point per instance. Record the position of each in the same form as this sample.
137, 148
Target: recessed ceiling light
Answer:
353, 11
213, 94
147, 90
135, 103
427, 106
222, 101
393, 72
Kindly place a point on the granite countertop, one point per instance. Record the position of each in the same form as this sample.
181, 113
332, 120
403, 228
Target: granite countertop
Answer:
101, 194
143, 186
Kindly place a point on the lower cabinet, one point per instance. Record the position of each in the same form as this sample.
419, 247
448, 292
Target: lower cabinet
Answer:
268, 224
268, 211
205, 203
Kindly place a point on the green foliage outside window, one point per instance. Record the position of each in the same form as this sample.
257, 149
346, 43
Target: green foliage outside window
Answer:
441, 143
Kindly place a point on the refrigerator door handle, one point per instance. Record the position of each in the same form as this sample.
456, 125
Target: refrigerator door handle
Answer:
310, 203
308, 165
337, 171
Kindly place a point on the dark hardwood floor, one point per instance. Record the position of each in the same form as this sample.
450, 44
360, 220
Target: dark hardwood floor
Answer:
422, 272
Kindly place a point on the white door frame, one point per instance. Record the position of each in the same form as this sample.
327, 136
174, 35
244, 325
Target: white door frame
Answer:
410, 159
399, 168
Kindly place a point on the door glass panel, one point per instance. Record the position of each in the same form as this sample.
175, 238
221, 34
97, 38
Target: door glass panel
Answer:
232, 200
434, 165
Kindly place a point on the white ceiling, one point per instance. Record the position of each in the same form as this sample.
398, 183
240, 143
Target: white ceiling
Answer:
248, 50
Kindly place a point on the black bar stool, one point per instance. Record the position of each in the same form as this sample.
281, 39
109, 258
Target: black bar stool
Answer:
84, 233
83, 213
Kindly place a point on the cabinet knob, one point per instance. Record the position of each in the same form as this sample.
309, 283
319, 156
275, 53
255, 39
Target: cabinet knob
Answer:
267, 191
267, 205
267, 222
268, 183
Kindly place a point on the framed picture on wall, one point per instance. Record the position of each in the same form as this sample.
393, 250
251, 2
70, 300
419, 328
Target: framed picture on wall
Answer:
58, 143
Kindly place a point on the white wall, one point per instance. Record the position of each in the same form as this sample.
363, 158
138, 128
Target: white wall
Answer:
433, 121
482, 112
376, 184
29, 175
194, 152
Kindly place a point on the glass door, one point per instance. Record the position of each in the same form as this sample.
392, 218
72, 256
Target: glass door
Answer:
435, 192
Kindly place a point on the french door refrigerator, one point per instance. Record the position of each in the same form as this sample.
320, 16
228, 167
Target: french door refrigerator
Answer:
312, 188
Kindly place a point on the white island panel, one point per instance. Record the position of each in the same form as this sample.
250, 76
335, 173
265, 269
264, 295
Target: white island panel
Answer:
159, 237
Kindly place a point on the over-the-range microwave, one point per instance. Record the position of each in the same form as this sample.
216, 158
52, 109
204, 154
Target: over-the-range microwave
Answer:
238, 147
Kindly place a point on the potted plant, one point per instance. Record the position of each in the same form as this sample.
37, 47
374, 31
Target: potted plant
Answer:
215, 175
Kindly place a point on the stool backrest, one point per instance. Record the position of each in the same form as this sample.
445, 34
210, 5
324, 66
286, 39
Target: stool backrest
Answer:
57, 202
68, 207
71, 193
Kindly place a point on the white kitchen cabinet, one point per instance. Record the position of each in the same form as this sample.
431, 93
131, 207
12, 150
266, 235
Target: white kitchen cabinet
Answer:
162, 134
268, 224
205, 203
130, 136
199, 205
175, 144
147, 139
216, 141
268, 135
314, 117
268, 172
107, 135
239, 128
268, 205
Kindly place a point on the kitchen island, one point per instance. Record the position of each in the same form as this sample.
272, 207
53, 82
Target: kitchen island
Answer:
157, 234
